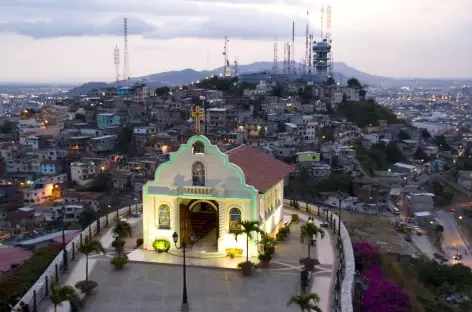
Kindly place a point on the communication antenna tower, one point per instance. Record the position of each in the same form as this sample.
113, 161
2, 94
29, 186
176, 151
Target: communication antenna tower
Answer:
284, 70
293, 48
117, 64
305, 65
236, 68
126, 71
289, 59
275, 66
227, 68
322, 22
310, 62
328, 23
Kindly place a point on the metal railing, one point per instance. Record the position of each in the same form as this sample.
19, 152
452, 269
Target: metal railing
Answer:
40, 289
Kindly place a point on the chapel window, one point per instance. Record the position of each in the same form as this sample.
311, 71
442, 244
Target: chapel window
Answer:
163, 217
234, 220
198, 174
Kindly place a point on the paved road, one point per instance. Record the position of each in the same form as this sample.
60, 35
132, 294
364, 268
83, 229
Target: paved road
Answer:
452, 238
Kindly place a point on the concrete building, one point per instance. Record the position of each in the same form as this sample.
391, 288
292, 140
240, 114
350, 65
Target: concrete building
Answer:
82, 172
102, 144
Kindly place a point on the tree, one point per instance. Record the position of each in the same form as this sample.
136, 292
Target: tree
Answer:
330, 81
162, 91
393, 153
403, 135
121, 231
247, 227
307, 303
87, 247
441, 142
267, 242
87, 217
362, 93
277, 91
425, 134
309, 230
7, 127
354, 83
420, 154
59, 294
124, 139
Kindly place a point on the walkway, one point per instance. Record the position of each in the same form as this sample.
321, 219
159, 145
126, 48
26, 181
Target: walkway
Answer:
76, 270
323, 281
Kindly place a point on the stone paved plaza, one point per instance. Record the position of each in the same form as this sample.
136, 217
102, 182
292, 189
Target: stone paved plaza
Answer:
158, 288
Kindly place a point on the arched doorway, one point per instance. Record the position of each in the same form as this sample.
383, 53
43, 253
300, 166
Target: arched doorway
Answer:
204, 219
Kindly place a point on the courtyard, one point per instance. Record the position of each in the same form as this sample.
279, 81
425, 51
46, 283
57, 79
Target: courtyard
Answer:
153, 287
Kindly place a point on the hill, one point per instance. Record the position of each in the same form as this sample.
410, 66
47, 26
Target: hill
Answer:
342, 72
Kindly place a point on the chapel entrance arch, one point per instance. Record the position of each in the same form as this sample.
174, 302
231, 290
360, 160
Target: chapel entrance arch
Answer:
204, 220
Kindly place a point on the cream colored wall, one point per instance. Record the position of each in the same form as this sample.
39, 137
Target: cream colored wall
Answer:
151, 231
272, 198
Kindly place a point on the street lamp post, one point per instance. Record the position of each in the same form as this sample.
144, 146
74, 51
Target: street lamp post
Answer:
361, 286
136, 203
339, 214
106, 217
183, 245
117, 214
64, 249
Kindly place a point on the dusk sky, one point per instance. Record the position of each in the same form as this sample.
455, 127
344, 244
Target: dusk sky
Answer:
73, 40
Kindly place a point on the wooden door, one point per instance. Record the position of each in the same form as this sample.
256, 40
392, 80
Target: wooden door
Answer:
185, 224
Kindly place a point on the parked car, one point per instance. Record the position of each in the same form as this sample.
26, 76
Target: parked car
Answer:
408, 237
419, 232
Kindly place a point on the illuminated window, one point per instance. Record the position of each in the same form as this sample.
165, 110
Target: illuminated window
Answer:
234, 220
198, 174
163, 217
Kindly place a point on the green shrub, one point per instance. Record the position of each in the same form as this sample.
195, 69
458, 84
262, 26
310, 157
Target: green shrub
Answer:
15, 283
295, 218
119, 262
280, 236
139, 242
161, 245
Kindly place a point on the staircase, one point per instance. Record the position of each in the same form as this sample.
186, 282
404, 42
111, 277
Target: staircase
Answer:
202, 223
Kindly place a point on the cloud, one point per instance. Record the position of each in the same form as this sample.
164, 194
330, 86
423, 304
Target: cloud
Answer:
68, 28
209, 21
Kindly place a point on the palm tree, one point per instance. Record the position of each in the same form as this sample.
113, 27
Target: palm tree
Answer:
267, 242
59, 294
307, 303
310, 229
87, 247
247, 227
121, 231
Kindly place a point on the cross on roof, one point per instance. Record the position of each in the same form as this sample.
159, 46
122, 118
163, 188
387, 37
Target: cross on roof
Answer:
198, 114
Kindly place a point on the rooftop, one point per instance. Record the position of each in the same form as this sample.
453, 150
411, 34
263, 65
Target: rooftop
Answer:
261, 170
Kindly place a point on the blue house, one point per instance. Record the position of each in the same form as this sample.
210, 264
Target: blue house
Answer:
108, 120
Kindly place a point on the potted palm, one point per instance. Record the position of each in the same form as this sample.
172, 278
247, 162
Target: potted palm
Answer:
121, 231
59, 294
268, 247
307, 303
87, 247
310, 230
247, 227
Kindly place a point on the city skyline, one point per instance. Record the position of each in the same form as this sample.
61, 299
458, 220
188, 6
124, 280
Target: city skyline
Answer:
65, 41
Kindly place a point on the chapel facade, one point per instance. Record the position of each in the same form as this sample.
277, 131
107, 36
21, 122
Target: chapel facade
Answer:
207, 192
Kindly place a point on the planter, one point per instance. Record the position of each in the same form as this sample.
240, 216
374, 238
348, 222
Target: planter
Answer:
86, 287
265, 264
309, 263
246, 268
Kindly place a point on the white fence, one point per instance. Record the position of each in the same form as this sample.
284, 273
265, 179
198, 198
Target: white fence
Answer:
36, 293
344, 294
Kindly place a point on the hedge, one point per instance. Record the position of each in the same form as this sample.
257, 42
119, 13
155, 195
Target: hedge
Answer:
15, 283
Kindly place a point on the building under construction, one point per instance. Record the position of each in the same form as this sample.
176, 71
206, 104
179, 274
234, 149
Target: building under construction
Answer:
316, 65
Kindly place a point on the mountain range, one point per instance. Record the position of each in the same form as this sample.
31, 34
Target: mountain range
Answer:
342, 72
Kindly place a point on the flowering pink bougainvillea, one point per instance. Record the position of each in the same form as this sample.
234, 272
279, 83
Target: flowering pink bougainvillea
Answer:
382, 295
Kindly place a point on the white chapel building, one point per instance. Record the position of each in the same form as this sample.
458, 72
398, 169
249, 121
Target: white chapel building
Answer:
202, 190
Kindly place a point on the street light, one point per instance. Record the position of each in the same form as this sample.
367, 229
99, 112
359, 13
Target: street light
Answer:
64, 249
183, 245
108, 210
98, 220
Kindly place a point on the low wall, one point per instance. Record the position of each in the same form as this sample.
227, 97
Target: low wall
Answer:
344, 290
37, 292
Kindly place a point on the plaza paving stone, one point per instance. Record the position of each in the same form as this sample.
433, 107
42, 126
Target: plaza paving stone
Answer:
158, 288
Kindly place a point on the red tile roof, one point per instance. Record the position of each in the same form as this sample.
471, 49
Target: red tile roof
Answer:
261, 170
